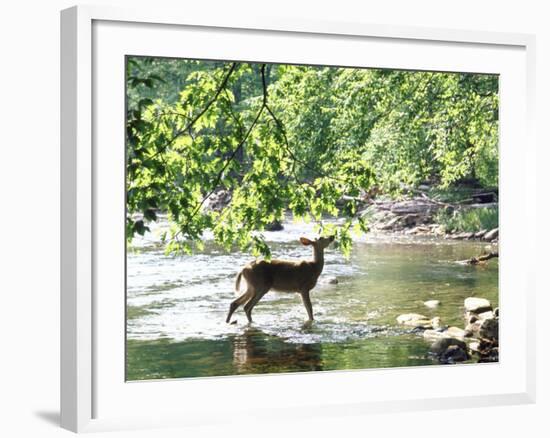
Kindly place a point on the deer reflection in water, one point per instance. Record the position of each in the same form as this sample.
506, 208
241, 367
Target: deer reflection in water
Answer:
255, 351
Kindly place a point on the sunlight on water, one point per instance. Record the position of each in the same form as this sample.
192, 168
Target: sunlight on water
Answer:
177, 307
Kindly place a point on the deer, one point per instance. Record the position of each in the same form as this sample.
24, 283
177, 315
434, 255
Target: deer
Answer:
282, 276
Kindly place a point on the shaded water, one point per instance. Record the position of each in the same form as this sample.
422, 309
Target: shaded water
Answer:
176, 307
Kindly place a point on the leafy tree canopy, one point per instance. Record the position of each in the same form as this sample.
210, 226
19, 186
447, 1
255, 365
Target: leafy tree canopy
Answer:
309, 140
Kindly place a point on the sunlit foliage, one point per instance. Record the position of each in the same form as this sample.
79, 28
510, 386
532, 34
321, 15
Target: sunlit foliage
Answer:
308, 140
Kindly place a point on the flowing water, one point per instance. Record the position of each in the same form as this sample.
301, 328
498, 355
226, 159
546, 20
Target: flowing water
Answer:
176, 307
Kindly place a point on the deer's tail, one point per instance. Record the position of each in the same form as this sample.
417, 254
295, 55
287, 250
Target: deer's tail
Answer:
238, 281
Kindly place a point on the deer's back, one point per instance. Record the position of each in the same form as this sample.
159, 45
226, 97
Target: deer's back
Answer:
282, 275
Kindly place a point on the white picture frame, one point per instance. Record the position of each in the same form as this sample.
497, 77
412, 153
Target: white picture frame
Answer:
93, 396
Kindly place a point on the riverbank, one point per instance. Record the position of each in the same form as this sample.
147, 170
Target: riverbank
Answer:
478, 340
423, 215
461, 213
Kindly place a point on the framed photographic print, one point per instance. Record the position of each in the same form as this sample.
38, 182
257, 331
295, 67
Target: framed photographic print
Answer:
261, 208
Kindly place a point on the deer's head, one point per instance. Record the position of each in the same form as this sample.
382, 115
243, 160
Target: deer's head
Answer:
319, 244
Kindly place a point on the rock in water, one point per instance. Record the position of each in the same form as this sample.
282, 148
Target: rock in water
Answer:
474, 346
489, 314
433, 335
432, 304
436, 322
489, 329
441, 345
477, 305
455, 332
274, 226
484, 328
415, 320
450, 350
451, 332
454, 354
330, 280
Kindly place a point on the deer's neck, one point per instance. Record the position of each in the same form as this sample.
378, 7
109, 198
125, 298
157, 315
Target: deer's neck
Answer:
318, 258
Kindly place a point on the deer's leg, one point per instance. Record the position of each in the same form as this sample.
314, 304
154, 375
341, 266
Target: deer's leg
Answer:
236, 303
307, 304
253, 301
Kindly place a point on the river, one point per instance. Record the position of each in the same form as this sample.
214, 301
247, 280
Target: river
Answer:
176, 306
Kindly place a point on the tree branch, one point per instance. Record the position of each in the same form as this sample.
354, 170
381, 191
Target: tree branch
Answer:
220, 88
195, 119
219, 176
480, 259
282, 130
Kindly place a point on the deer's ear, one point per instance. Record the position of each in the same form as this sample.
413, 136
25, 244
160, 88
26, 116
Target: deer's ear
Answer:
305, 241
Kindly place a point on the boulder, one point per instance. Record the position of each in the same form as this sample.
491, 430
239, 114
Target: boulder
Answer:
451, 332
484, 329
489, 314
442, 344
470, 317
274, 226
433, 335
454, 354
491, 235
436, 322
455, 332
477, 305
331, 279
489, 329
415, 320
432, 304
474, 346
488, 350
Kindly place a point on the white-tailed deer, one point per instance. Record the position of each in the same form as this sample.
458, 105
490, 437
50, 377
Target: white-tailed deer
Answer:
281, 275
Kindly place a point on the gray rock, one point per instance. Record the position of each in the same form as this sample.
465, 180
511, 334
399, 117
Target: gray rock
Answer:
477, 305
436, 322
455, 332
414, 320
451, 332
441, 345
491, 235
484, 329
330, 280
454, 354
433, 335
489, 329
470, 317
274, 226
474, 346
489, 314
432, 304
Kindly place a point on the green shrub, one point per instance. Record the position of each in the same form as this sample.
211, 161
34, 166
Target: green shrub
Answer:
470, 220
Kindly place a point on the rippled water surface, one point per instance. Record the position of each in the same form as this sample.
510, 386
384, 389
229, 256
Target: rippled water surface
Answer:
176, 307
